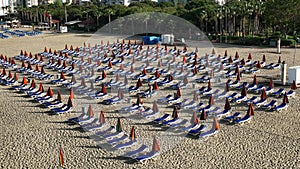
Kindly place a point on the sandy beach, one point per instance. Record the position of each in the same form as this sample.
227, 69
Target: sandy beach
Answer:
30, 137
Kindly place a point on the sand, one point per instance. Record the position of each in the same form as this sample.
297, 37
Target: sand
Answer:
30, 137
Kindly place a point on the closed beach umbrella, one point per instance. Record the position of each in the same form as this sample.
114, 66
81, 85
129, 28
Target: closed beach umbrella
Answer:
255, 80
258, 65
72, 96
103, 90
41, 88
155, 146
227, 105
271, 84
102, 118
194, 119
211, 100
263, 95
155, 107
16, 78
250, 111
120, 94
50, 92
209, 85
175, 112
119, 126
132, 134
70, 103
285, 99
237, 55
264, 58
244, 91
249, 56
90, 111
216, 125
59, 96
294, 86
279, 59
203, 115
62, 75
24, 81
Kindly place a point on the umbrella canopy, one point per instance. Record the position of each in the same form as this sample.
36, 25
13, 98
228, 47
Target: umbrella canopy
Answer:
24, 81
263, 95
119, 126
102, 118
203, 115
250, 111
226, 53
227, 105
294, 86
155, 146
175, 112
132, 134
194, 119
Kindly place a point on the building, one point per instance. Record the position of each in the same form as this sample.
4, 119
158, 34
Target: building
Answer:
123, 2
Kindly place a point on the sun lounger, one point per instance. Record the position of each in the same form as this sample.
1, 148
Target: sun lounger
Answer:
165, 116
243, 120
118, 139
111, 129
282, 106
197, 130
190, 127
290, 93
208, 133
279, 92
180, 124
240, 99
223, 113
260, 103
233, 117
270, 105
132, 154
147, 156
252, 99
127, 144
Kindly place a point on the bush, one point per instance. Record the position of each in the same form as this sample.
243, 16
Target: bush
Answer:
287, 42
